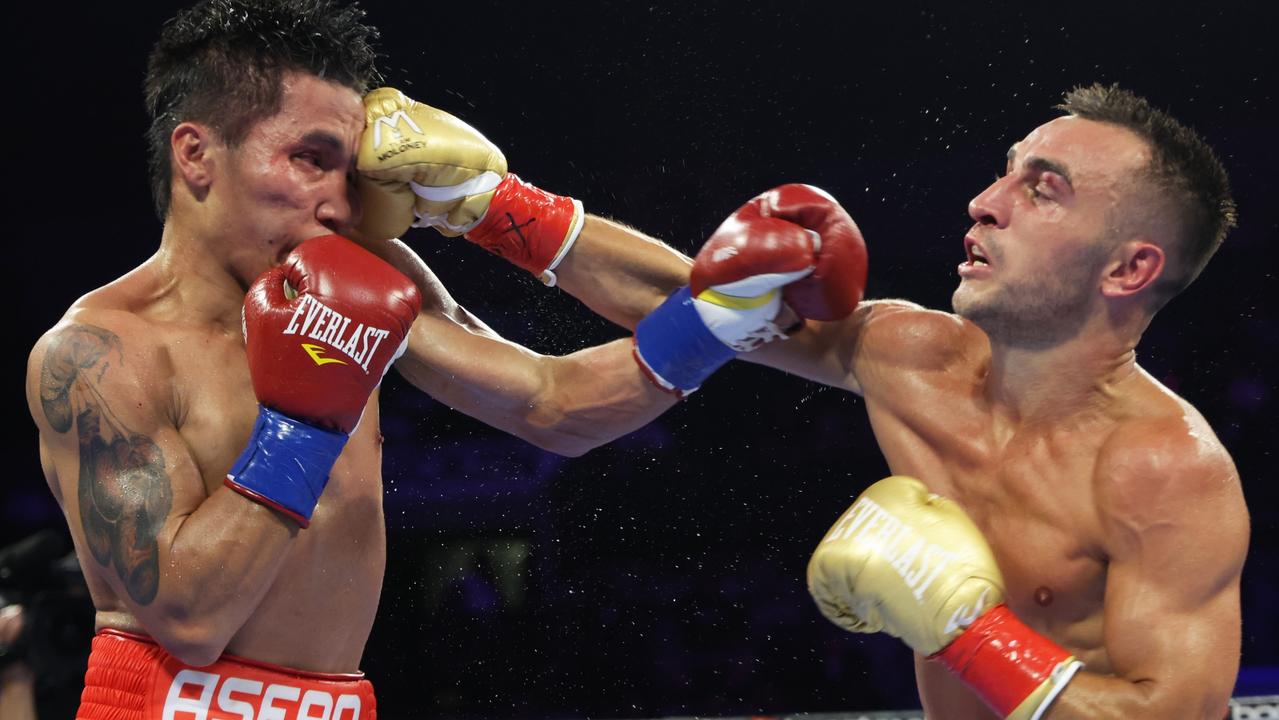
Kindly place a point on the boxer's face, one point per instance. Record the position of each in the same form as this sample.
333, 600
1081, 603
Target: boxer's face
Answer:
1045, 229
291, 178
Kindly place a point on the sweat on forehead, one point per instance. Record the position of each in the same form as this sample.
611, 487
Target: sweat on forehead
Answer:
1083, 150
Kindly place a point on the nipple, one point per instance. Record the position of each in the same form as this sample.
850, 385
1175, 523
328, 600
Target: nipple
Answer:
1043, 596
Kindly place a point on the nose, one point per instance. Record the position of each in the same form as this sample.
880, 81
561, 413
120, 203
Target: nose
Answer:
339, 209
991, 206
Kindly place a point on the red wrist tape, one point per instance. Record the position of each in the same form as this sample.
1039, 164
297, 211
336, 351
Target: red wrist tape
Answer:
528, 226
1004, 661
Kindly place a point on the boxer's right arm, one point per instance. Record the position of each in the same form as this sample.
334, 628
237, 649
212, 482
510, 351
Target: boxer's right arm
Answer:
189, 565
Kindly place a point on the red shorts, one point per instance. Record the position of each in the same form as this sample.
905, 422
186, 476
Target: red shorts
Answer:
130, 677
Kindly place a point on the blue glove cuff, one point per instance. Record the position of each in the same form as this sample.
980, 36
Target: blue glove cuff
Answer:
286, 464
676, 346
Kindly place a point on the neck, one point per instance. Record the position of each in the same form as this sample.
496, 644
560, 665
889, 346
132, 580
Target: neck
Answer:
1077, 375
197, 276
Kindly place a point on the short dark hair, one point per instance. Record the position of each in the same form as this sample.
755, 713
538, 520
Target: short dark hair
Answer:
221, 62
1182, 166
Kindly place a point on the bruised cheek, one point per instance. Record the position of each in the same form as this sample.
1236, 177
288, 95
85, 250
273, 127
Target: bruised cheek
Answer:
284, 187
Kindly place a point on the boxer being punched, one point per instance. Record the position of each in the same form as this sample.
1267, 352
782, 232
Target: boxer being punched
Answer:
1094, 520
209, 422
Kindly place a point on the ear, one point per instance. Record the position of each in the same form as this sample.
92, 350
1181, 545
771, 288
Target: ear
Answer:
1137, 265
191, 146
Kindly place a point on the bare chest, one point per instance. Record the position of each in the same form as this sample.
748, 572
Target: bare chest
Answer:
213, 403
215, 408
1037, 513
335, 567
1031, 494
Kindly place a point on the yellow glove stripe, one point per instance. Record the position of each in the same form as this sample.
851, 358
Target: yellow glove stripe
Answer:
733, 302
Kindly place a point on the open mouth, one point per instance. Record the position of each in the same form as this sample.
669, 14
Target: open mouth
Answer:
976, 253
976, 262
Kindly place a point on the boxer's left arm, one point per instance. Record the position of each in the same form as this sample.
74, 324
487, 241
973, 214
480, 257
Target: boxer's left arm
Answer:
1176, 530
566, 404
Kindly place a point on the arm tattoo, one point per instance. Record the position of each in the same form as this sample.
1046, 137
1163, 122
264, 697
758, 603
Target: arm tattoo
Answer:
124, 492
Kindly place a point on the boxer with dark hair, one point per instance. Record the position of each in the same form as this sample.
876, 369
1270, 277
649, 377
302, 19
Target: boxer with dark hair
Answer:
209, 421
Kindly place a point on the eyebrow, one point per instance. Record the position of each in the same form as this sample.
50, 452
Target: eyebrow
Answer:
1039, 164
330, 142
327, 139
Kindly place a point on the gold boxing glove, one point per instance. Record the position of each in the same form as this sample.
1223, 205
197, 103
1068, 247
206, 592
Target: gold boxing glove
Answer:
421, 166
905, 561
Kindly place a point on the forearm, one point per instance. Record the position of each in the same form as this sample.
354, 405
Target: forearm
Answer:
216, 566
567, 405
1090, 696
619, 272
595, 396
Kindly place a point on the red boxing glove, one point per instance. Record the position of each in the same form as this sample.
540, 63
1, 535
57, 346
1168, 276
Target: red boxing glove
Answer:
529, 227
838, 279
753, 244
768, 249
322, 329
736, 276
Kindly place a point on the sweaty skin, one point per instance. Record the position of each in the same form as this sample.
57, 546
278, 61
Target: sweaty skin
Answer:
143, 399
138, 478
1118, 525
1115, 514
1113, 510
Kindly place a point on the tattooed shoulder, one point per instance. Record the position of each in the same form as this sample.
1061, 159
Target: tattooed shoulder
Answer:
71, 353
124, 491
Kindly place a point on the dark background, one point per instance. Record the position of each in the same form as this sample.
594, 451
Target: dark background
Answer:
663, 574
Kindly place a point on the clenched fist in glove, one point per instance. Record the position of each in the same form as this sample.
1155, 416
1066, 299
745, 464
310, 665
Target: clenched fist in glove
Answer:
793, 242
320, 332
420, 166
910, 563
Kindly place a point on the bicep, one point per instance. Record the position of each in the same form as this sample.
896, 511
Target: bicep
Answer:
1176, 637
1172, 615
122, 472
